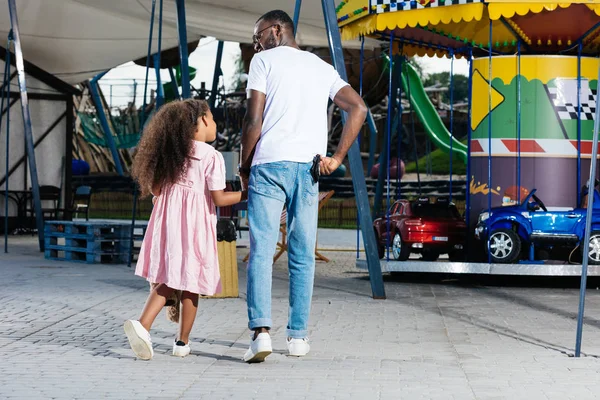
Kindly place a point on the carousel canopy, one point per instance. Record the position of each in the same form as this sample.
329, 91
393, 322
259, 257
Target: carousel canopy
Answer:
443, 27
76, 39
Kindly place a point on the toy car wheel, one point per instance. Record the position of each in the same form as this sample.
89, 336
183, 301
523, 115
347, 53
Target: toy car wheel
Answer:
400, 250
504, 246
594, 248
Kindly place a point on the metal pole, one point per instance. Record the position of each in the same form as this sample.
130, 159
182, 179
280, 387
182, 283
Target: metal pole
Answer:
131, 232
579, 48
469, 134
588, 227
183, 52
390, 111
372, 140
356, 168
399, 128
148, 55
489, 140
451, 117
5, 93
360, 92
297, 15
104, 122
27, 127
216, 75
519, 121
160, 93
174, 83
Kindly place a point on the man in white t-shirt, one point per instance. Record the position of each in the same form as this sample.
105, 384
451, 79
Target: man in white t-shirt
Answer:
285, 127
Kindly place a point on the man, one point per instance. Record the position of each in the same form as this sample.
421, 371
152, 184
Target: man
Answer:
285, 127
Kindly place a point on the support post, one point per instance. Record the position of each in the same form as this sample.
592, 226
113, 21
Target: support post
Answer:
217, 74
469, 134
100, 112
160, 93
27, 127
451, 119
578, 188
372, 140
297, 15
174, 83
588, 228
183, 53
356, 168
489, 139
4, 91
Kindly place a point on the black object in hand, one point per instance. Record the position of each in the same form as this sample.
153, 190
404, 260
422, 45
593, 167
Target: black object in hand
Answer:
315, 170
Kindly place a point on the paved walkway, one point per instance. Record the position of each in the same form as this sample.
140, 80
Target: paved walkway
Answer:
436, 337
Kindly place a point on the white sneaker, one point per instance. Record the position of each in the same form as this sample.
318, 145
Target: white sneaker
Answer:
181, 349
298, 347
259, 348
139, 339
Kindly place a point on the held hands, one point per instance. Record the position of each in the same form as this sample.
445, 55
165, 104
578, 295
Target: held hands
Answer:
329, 165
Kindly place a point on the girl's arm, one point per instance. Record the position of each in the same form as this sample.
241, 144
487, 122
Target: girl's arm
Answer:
223, 198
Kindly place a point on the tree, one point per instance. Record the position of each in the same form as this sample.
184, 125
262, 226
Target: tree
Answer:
461, 85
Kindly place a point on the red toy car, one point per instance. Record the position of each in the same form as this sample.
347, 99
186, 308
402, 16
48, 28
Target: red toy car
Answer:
421, 227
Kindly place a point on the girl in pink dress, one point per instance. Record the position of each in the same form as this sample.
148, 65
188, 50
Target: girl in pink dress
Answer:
179, 252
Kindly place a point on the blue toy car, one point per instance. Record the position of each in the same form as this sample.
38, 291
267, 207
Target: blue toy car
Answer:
513, 230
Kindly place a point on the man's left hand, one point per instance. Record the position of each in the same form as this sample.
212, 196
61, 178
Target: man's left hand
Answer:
329, 165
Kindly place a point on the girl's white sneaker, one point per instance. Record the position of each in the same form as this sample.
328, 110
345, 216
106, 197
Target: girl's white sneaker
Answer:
139, 339
298, 347
181, 349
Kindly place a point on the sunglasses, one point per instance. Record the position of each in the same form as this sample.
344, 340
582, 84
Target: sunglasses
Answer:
256, 38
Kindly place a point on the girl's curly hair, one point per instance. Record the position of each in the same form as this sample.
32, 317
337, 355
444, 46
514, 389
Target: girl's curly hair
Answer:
162, 155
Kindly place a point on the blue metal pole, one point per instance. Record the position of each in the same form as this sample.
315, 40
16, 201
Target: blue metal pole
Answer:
174, 83
469, 134
579, 49
6, 93
160, 93
216, 75
399, 131
451, 117
100, 112
490, 140
387, 155
588, 227
148, 55
356, 168
360, 92
297, 15
186, 92
372, 140
27, 127
519, 121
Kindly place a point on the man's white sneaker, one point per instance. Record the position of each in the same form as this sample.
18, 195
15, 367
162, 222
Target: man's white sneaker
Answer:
259, 349
139, 339
181, 349
298, 347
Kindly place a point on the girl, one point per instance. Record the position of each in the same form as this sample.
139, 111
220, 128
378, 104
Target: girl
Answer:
179, 252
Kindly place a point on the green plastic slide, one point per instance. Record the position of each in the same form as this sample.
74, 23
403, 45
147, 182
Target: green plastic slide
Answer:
428, 115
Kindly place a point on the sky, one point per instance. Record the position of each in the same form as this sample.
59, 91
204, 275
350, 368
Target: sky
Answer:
117, 85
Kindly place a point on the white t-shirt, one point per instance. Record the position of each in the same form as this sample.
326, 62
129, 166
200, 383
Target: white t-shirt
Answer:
297, 85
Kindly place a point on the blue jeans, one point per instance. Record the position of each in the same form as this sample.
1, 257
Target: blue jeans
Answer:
273, 186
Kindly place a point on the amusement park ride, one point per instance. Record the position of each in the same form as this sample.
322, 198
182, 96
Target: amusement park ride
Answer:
533, 94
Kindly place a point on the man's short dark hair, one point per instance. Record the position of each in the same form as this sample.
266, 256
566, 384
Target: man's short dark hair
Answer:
278, 16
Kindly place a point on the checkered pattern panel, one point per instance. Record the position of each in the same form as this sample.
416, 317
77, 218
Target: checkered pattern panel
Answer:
400, 5
567, 110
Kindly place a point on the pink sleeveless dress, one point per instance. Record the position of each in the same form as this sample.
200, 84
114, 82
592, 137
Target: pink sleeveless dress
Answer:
180, 245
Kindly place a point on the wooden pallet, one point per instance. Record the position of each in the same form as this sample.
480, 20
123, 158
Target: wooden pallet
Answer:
91, 242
